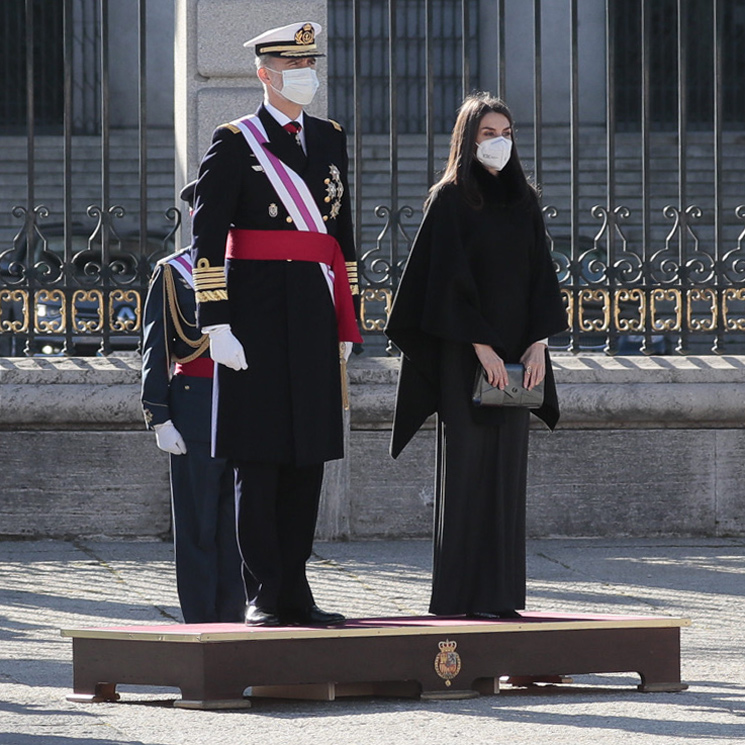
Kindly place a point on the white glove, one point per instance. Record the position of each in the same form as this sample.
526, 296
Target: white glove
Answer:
168, 438
348, 345
225, 349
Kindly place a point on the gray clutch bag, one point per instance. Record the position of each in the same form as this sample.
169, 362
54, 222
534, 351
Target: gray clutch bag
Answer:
513, 395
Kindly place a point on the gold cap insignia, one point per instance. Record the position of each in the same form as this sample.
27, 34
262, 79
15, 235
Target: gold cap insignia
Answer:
306, 35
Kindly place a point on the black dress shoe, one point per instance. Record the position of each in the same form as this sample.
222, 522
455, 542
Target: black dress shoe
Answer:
313, 616
257, 617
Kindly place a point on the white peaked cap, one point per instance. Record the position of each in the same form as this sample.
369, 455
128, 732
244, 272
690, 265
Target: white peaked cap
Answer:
294, 40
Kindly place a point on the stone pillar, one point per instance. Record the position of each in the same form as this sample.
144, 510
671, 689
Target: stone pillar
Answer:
215, 82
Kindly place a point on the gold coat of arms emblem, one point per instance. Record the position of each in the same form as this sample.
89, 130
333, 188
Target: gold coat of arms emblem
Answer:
447, 662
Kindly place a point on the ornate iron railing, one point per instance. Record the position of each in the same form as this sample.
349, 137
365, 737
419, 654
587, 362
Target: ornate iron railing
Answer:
76, 294
646, 226
617, 298
69, 284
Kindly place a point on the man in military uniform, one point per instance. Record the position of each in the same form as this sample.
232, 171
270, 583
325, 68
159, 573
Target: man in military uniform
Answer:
177, 400
275, 271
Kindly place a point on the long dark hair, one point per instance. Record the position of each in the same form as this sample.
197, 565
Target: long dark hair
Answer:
462, 163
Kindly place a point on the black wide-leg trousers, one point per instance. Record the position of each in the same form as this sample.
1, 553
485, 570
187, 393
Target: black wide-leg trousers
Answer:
479, 535
276, 512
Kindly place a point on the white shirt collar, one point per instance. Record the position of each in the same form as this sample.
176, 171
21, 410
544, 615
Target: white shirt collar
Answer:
281, 117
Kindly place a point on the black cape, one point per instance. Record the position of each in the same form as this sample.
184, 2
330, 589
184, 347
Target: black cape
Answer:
473, 276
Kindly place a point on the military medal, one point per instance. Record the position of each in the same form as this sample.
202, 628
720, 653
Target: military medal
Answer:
334, 191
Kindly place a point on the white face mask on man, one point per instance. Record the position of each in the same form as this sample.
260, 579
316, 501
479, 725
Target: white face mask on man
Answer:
494, 152
298, 86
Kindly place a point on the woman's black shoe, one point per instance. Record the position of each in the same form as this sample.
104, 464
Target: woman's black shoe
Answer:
483, 616
509, 614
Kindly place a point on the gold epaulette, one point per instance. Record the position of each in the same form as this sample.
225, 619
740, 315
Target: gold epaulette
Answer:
231, 127
209, 282
337, 126
353, 277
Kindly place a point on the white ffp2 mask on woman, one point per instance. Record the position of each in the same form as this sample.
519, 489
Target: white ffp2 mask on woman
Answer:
494, 152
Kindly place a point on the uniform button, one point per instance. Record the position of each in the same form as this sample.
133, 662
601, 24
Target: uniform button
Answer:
187, 387
325, 218
289, 219
327, 199
327, 181
288, 260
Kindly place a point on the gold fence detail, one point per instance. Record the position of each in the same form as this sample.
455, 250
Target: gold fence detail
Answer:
593, 309
375, 295
728, 296
593, 296
10, 298
667, 324
130, 324
704, 295
43, 325
634, 295
88, 296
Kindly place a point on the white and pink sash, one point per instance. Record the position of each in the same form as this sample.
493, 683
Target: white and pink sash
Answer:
292, 191
183, 265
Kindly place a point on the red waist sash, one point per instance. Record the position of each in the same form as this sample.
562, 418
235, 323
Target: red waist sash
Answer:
301, 245
201, 367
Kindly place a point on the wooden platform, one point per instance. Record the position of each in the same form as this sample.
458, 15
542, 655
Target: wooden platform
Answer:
429, 656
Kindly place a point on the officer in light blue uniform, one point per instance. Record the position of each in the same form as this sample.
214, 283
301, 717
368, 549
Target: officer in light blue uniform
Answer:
177, 400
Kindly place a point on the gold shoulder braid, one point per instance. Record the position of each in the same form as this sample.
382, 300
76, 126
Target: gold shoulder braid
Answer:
201, 344
175, 308
209, 282
353, 277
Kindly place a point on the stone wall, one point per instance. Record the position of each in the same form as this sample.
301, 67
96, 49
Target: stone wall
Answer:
646, 446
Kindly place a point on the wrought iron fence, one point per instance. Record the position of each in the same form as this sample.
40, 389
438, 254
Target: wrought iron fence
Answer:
643, 199
78, 280
404, 21
643, 195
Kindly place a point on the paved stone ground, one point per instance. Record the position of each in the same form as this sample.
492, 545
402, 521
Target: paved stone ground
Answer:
48, 585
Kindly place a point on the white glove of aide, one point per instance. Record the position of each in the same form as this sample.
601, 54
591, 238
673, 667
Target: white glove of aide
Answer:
168, 438
225, 349
347, 350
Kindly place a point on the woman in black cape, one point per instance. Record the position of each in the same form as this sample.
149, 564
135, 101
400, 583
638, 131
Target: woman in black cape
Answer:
479, 288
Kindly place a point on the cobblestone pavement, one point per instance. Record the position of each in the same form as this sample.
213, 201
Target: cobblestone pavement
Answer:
49, 585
